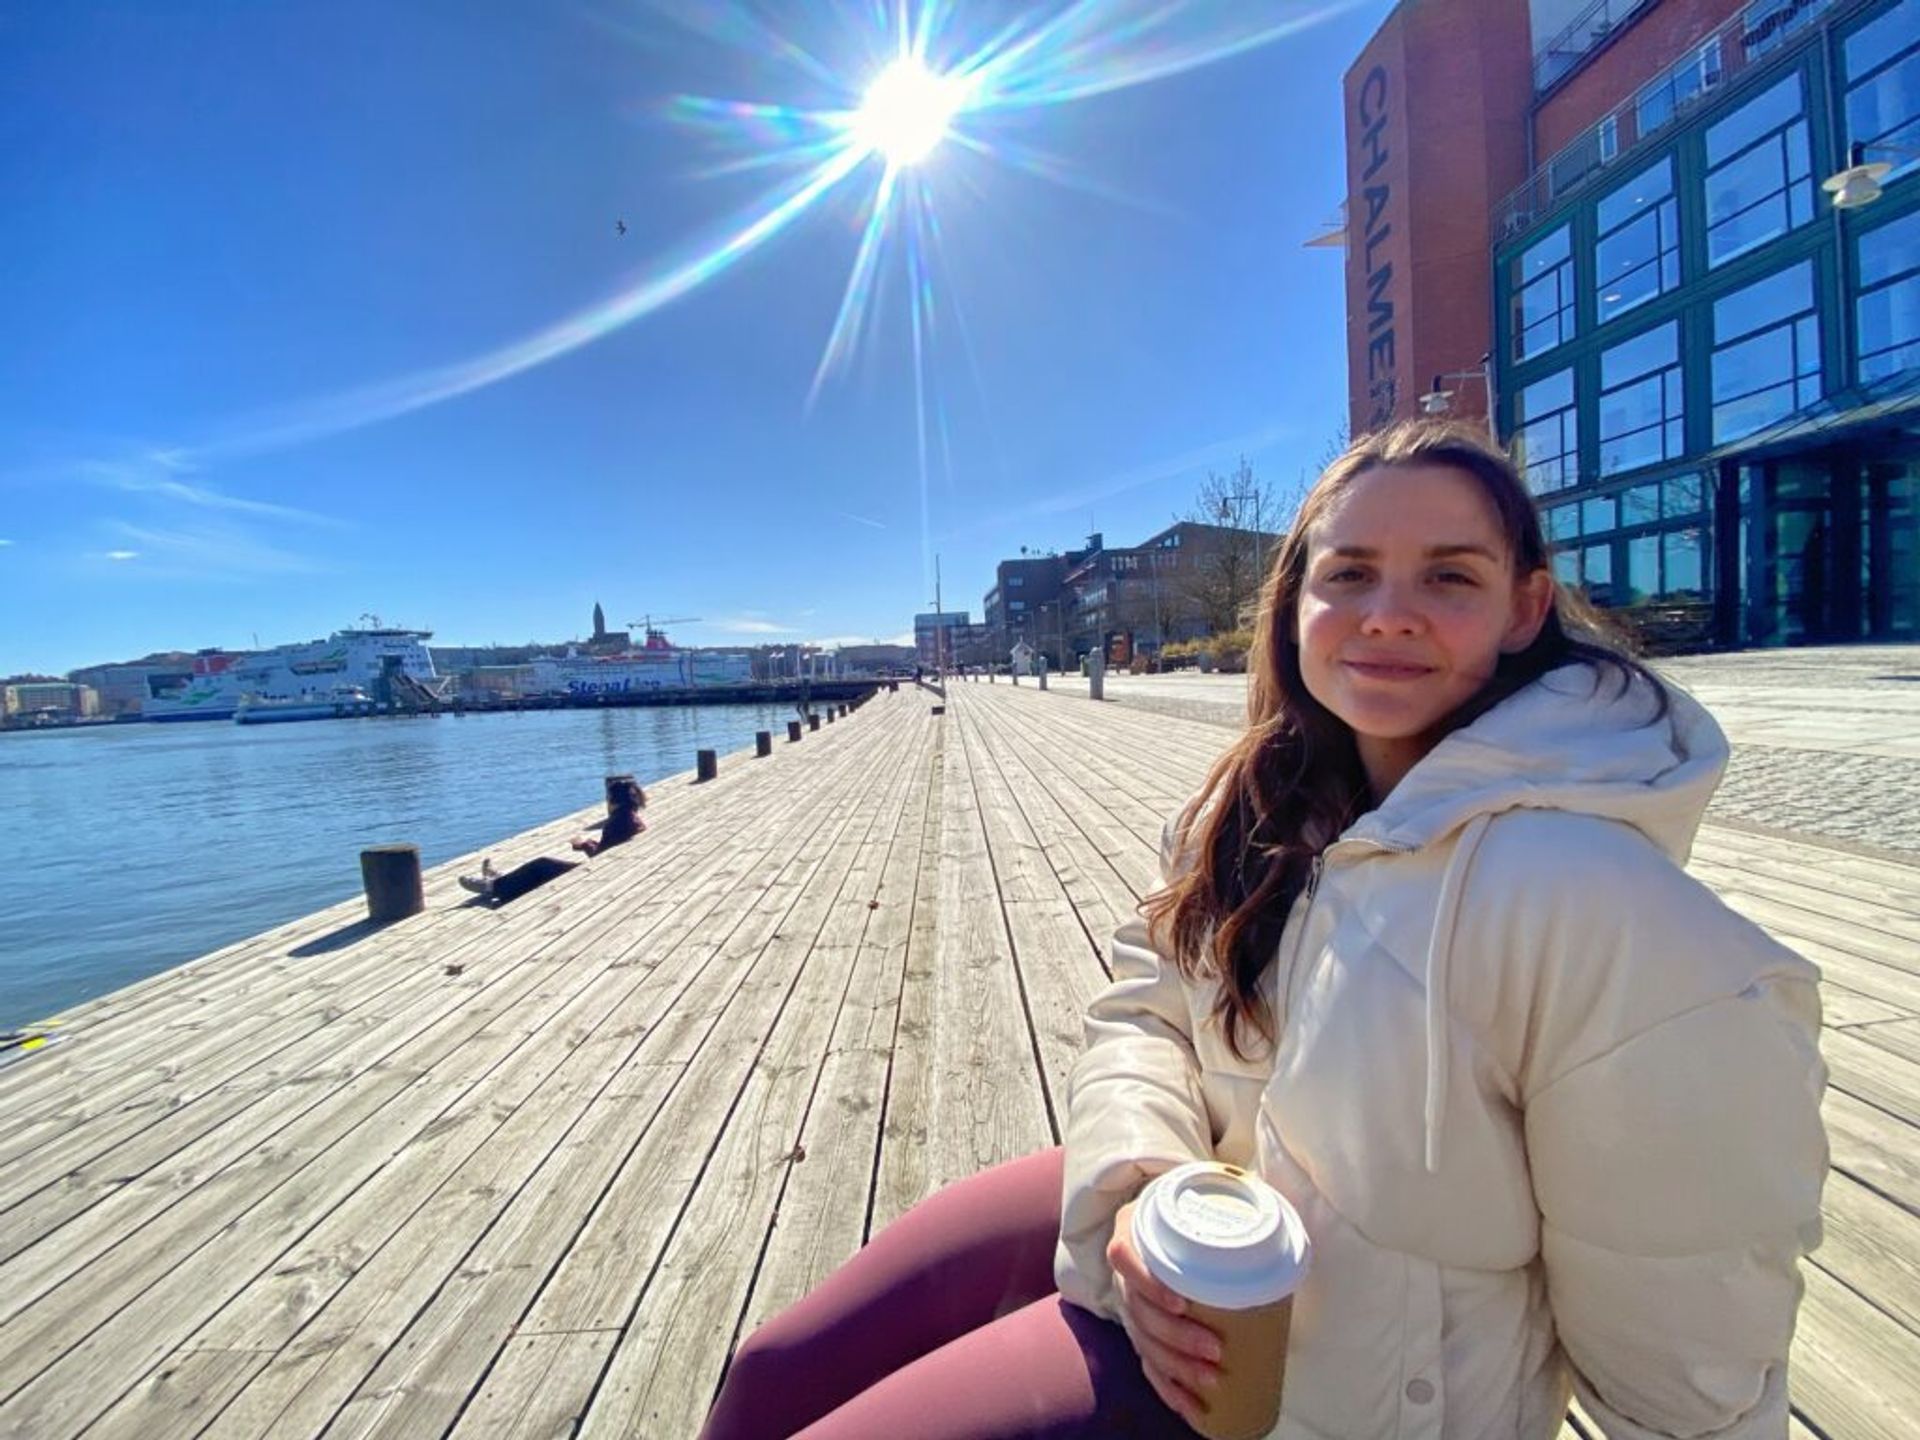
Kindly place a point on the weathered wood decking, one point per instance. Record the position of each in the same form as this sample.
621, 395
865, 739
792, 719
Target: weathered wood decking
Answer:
532, 1172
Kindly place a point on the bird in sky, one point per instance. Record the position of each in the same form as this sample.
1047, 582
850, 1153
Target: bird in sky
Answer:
621, 226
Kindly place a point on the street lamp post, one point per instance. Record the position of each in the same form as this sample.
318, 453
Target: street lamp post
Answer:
1439, 400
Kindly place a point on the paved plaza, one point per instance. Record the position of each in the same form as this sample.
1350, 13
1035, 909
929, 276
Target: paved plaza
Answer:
1826, 742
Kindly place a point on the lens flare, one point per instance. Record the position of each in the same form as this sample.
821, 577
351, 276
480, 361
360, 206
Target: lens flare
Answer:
907, 112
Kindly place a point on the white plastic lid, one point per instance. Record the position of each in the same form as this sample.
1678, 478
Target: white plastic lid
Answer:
1220, 1236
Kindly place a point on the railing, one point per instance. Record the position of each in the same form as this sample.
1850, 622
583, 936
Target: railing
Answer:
1589, 28
1708, 67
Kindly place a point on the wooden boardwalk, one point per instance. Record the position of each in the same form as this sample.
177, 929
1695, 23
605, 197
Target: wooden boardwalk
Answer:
533, 1172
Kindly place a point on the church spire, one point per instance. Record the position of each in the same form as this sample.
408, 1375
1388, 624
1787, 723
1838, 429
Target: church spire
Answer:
599, 622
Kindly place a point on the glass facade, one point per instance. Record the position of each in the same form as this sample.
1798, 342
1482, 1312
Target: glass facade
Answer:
1887, 314
1637, 257
1548, 433
1642, 401
1883, 86
1759, 172
1543, 304
1766, 356
1719, 298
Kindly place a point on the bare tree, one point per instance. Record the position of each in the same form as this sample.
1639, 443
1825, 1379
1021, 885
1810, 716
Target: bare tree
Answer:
1223, 577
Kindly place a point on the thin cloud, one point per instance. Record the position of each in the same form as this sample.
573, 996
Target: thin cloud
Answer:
752, 627
859, 519
226, 552
153, 474
5, 543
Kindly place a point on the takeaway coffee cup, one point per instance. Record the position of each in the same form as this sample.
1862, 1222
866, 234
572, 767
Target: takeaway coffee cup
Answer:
1232, 1246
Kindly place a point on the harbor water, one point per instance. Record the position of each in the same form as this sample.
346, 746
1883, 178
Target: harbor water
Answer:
128, 849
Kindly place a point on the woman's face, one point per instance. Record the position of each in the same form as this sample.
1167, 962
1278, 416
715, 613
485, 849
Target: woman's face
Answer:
1408, 601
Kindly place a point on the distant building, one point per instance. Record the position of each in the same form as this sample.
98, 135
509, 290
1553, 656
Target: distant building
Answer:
874, 657
123, 689
934, 636
1612, 225
54, 699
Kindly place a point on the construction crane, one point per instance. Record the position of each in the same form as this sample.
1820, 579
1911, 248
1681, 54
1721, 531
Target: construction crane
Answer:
650, 627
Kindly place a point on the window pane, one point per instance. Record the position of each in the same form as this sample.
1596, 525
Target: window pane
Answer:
1876, 43
1747, 231
1566, 567
1563, 522
1686, 494
1641, 355
1685, 564
1891, 249
1640, 505
1889, 321
1643, 569
1597, 516
1885, 106
1647, 188
1540, 258
1553, 393
1752, 412
1750, 365
1596, 564
1769, 301
1768, 111
1739, 184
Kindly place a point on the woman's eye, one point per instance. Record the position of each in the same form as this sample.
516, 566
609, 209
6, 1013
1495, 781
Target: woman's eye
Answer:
1455, 577
1343, 575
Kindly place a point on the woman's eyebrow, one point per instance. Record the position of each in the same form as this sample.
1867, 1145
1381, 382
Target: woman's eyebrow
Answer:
1432, 552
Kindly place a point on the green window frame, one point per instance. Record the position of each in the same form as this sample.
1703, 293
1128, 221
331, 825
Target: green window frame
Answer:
1883, 86
1766, 354
1637, 255
1887, 311
1759, 183
1541, 284
1642, 401
1547, 439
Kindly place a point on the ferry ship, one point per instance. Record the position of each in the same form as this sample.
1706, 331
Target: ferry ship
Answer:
660, 665
312, 672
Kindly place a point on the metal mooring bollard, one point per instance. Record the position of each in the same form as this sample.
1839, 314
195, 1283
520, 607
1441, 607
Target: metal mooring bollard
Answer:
707, 765
762, 742
391, 876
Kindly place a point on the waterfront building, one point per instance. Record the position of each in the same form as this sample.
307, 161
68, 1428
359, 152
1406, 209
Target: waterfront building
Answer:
934, 635
48, 699
1611, 227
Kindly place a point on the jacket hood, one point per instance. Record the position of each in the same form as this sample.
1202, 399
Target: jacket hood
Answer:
1577, 739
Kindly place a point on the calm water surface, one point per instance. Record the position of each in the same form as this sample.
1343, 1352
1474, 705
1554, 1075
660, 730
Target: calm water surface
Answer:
129, 849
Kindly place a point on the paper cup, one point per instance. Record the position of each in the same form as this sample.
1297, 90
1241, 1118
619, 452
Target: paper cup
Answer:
1235, 1250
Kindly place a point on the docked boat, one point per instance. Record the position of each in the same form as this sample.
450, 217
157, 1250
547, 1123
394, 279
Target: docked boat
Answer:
380, 662
659, 665
338, 703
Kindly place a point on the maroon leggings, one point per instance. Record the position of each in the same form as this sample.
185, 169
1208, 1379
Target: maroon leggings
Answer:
946, 1327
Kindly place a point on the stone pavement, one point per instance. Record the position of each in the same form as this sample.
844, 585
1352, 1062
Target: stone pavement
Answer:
1826, 742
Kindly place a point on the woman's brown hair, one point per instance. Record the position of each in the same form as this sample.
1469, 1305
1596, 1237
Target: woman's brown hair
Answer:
1294, 781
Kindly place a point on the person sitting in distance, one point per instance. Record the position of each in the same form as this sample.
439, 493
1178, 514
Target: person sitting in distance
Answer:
625, 801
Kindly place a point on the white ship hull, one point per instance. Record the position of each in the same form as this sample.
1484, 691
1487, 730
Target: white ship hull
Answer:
308, 673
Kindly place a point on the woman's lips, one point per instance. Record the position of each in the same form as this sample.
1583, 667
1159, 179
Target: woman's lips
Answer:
1388, 670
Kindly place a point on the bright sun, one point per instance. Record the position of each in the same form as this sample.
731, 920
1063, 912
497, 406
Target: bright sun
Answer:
907, 111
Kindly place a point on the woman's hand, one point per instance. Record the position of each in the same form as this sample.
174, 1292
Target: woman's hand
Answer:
1180, 1356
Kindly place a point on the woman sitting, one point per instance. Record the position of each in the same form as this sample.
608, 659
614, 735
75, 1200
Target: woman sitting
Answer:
625, 801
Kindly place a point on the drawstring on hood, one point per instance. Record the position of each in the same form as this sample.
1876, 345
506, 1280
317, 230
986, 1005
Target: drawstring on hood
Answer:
1439, 977
1561, 743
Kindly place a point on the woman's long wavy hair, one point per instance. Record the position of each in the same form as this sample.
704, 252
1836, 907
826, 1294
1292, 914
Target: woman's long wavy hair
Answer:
1294, 780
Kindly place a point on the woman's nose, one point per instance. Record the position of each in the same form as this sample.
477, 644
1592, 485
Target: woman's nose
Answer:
1392, 609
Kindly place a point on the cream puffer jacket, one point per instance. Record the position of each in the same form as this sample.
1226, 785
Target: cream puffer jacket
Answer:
1549, 1109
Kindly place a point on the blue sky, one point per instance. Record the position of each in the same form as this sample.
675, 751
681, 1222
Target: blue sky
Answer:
314, 310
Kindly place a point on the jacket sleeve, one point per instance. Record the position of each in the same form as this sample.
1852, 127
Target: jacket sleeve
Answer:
1134, 1108
1678, 1175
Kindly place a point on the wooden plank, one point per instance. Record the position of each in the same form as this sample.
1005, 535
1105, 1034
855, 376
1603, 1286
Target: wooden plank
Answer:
1902, 1037
1889, 1081
1879, 1150
426, 1325
423, 1379
534, 1391
1854, 1370
668, 1363
1873, 1246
